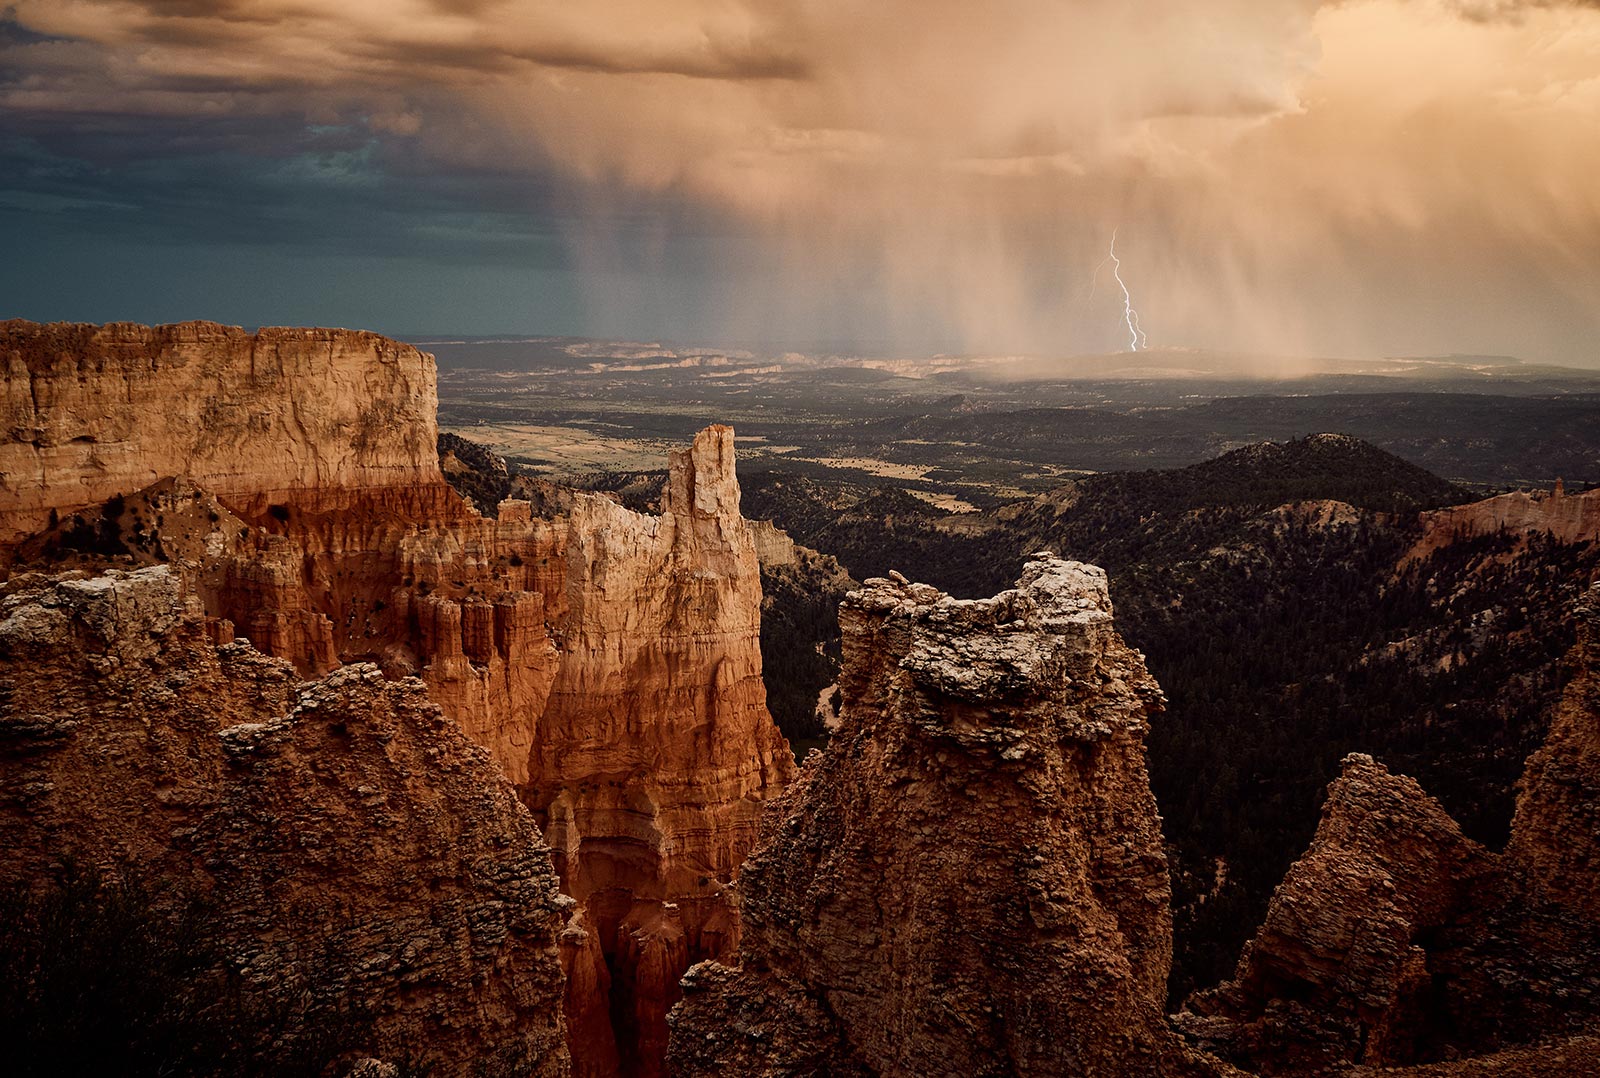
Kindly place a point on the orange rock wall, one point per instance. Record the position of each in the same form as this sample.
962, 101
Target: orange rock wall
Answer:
92, 411
1570, 518
608, 660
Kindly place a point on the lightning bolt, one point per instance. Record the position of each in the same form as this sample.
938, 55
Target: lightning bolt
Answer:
1136, 337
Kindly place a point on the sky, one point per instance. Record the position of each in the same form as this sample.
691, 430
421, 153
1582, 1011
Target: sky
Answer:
1286, 177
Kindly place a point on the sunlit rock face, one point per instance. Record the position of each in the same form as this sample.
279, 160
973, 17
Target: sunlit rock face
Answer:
93, 411
970, 878
1568, 518
608, 660
357, 847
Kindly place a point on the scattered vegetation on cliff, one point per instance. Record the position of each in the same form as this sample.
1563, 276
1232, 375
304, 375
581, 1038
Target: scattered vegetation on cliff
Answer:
475, 471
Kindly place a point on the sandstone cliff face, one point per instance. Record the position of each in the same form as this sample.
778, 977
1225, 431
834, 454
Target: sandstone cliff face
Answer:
654, 751
1569, 518
609, 661
969, 879
92, 411
345, 821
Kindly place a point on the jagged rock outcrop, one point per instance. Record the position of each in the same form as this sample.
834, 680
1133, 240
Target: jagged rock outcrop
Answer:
969, 879
1339, 971
353, 838
654, 751
1555, 836
608, 660
1397, 940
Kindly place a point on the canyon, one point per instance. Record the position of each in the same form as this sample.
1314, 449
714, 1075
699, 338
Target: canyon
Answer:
505, 774
608, 661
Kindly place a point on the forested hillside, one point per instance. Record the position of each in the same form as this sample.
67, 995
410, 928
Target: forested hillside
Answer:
1270, 590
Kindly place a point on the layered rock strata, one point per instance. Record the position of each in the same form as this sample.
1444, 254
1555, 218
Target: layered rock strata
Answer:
970, 878
93, 411
608, 660
355, 843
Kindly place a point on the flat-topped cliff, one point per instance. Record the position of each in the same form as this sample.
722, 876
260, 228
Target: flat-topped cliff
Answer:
87, 412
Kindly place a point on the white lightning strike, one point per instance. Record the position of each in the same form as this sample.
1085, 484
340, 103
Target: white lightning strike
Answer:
1136, 337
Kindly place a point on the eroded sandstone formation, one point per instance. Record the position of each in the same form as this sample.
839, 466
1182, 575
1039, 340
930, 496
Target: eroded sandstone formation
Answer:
1339, 971
355, 842
608, 660
970, 878
1568, 518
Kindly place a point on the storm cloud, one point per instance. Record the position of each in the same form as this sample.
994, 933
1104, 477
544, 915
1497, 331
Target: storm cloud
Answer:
1288, 176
